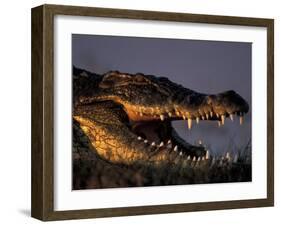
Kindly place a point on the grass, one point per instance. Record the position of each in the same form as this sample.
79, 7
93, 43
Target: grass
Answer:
90, 171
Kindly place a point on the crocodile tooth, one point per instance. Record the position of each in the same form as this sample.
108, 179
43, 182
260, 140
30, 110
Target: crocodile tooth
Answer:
199, 141
207, 116
180, 153
197, 120
162, 117
194, 159
141, 114
207, 154
153, 144
189, 121
222, 119
213, 161
227, 156
211, 114
241, 120
169, 141
188, 157
183, 116
231, 117
139, 138
219, 123
218, 116
199, 159
176, 148
177, 113
161, 144
203, 118
203, 158
170, 114
145, 141
235, 159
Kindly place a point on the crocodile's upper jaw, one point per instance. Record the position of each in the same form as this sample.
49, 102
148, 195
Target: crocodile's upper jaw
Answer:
149, 98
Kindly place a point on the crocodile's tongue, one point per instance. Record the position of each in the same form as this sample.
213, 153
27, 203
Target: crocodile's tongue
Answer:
153, 131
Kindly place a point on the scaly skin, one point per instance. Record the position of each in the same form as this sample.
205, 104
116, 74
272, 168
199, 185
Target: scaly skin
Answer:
117, 110
105, 124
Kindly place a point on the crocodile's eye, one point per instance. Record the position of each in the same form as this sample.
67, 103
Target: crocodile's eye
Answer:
114, 78
140, 78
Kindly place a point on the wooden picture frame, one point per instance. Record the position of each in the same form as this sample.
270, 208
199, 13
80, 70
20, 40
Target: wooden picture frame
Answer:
43, 110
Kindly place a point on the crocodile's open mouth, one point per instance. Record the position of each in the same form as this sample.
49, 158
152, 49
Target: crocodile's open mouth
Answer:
156, 129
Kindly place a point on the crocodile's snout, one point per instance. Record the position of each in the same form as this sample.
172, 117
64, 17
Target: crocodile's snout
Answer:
228, 102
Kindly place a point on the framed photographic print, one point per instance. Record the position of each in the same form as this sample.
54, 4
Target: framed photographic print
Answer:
141, 112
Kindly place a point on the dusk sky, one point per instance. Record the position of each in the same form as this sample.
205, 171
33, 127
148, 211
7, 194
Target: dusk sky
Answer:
204, 66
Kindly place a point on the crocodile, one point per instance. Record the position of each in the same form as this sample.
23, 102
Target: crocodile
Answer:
127, 118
